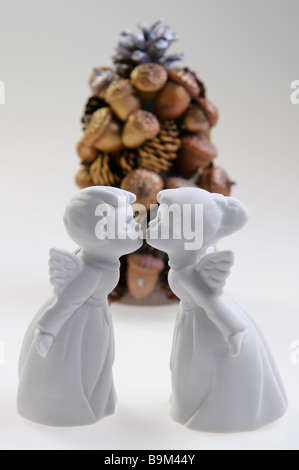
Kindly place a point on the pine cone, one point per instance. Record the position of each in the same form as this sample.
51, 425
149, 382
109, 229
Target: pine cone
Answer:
101, 173
126, 162
159, 154
148, 47
93, 104
110, 169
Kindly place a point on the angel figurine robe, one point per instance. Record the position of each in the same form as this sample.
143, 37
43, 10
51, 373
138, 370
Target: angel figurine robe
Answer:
224, 378
67, 356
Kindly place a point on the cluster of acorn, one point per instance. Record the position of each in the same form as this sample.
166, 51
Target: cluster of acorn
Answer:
147, 126
158, 121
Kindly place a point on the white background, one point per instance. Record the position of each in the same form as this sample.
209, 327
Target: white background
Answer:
246, 53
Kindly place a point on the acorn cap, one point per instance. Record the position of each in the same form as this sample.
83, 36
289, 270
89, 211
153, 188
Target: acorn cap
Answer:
195, 120
145, 123
185, 78
145, 184
98, 125
100, 79
210, 110
149, 77
118, 89
141, 126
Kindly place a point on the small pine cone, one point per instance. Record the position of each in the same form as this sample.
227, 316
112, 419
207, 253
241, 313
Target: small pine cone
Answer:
150, 45
101, 171
159, 154
94, 103
127, 162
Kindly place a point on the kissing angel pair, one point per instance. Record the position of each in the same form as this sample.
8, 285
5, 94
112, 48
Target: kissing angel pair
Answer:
224, 378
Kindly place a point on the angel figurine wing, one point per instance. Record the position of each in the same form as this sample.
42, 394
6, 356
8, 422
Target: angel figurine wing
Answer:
64, 266
214, 270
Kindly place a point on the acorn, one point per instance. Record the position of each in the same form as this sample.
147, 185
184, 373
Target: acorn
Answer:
100, 80
173, 100
104, 131
210, 111
196, 121
145, 184
140, 127
176, 182
122, 98
196, 152
186, 78
87, 152
216, 180
143, 274
148, 79
83, 178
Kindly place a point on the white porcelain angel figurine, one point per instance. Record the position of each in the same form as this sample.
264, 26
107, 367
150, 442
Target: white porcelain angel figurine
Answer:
224, 378
67, 357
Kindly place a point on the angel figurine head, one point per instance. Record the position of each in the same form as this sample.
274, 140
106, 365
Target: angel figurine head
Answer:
101, 221
192, 219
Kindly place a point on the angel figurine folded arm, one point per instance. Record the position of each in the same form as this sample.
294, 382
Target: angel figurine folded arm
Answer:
73, 284
67, 355
224, 378
205, 284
